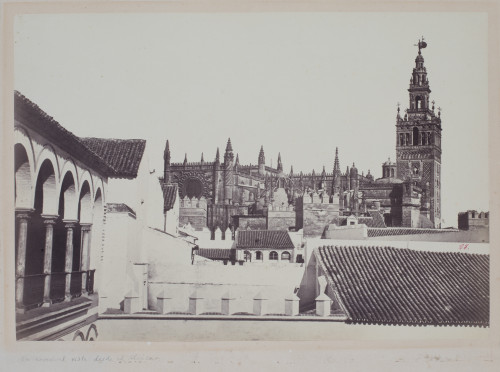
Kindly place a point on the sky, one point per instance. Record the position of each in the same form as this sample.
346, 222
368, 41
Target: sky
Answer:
300, 84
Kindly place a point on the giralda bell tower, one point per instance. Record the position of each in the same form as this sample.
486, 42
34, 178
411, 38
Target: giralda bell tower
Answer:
418, 147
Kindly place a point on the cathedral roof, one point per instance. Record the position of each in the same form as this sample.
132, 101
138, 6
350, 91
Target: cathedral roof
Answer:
386, 285
388, 180
264, 239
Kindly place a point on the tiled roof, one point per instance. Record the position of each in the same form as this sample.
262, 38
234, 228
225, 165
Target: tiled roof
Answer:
123, 155
264, 239
113, 157
169, 196
216, 253
33, 117
385, 285
378, 219
388, 231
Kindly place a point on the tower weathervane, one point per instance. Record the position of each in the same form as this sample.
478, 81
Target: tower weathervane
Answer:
421, 44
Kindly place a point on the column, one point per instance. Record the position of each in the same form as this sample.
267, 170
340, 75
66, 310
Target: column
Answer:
23, 216
68, 266
84, 262
49, 222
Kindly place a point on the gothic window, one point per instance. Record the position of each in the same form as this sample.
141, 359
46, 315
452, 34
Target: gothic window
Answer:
416, 169
429, 138
407, 139
193, 187
415, 136
401, 139
424, 138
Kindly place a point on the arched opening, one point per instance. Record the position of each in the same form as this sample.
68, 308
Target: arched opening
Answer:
415, 136
248, 256
44, 203
419, 102
258, 256
285, 256
68, 213
273, 256
82, 246
22, 178
392, 172
96, 252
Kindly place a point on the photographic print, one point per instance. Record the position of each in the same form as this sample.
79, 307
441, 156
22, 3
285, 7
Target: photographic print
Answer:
242, 176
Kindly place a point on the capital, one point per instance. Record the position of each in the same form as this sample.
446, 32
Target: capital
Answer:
24, 213
70, 223
86, 226
49, 219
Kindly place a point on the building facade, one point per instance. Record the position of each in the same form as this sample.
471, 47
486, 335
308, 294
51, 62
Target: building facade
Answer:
224, 193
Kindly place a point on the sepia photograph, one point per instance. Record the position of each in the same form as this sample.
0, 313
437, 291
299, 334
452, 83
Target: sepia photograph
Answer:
249, 176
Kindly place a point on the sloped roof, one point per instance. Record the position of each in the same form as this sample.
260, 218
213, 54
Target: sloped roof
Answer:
390, 231
123, 155
264, 239
169, 196
378, 219
216, 253
33, 117
113, 157
385, 285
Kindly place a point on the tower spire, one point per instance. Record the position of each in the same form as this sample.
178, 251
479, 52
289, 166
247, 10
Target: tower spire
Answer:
217, 157
262, 161
280, 165
336, 173
166, 163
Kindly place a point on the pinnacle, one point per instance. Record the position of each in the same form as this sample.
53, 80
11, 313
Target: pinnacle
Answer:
229, 147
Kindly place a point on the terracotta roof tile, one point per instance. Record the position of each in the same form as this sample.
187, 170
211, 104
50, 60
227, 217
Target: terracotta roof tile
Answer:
390, 231
216, 253
385, 285
123, 155
33, 117
264, 239
169, 196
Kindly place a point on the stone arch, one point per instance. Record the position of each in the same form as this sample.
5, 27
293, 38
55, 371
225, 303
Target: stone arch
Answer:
79, 336
70, 166
68, 200
86, 176
48, 152
45, 200
92, 333
273, 255
248, 256
286, 256
85, 203
259, 256
96, 249
23, 177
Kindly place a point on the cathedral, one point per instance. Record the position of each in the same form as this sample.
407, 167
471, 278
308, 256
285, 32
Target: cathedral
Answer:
228, 195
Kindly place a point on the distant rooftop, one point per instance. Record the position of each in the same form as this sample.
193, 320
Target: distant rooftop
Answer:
385, 285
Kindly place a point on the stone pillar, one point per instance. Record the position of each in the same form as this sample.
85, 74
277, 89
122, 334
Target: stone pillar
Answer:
260, 304
23, 216
132, 303
292, 305
227, 303
84, 262
68, 266
323, 303
196, 304
164, 303
49, 222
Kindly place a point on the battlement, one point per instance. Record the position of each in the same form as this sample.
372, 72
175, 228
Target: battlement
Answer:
200, 203
473, 220
316, 198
